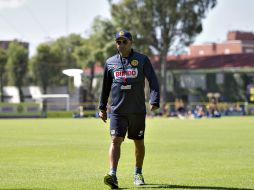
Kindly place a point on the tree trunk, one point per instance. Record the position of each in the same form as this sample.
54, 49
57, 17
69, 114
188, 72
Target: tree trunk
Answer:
44, 103
91, 83
1, 88
21, 95
163, 58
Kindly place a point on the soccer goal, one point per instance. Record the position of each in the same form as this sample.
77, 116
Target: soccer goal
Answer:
42, 97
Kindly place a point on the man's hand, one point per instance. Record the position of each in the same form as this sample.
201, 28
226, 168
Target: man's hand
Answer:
103, 115
153, 107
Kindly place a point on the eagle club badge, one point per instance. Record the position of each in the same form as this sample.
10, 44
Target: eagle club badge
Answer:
134, 63
121, 33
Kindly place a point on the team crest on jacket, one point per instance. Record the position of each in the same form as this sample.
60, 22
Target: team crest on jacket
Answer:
134, 63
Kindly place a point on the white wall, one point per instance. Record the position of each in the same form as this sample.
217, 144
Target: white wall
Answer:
35, 92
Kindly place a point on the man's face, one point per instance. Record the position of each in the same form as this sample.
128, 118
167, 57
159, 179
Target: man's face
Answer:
123, 45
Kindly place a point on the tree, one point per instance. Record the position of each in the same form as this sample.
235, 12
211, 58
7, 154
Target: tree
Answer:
85, 57
103, 32
46, 66
3, 61
96, 49
17, 63
67, 46
161, 26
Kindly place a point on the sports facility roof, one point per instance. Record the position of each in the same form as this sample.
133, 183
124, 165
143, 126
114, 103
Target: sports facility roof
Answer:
226, 63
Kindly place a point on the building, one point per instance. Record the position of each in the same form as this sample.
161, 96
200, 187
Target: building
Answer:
224, 68
216, 68
192, 79
237, 42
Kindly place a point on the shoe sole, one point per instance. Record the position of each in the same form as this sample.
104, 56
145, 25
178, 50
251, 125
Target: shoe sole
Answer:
108, 181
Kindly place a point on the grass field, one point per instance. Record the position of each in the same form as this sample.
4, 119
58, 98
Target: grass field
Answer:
66, 154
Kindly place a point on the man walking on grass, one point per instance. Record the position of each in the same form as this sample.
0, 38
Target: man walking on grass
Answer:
124, 76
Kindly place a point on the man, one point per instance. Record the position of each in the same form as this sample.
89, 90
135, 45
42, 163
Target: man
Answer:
124, 76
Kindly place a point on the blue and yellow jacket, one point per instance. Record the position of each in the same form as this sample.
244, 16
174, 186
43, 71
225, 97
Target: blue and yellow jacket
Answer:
125, 78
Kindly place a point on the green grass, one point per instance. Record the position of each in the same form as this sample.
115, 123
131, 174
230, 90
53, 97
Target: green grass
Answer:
66, 154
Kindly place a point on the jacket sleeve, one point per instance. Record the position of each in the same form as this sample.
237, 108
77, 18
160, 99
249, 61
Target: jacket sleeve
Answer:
106, 87
153, 83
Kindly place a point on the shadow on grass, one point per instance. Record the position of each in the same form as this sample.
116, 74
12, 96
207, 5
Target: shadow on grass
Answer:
170, 186
40, 189
23, 189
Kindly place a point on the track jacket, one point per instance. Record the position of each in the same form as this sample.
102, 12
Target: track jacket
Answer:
125, 78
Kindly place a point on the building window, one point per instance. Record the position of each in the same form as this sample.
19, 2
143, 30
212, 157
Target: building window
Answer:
201, 52
249, 50
227, 51
192, 81
169, 82
219, 78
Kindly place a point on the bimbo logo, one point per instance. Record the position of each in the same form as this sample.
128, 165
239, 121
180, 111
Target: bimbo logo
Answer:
129, 73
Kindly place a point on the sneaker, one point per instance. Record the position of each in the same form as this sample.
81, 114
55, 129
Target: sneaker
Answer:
111, 181
139, 179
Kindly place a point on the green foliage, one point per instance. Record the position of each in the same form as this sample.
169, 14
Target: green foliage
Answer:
73, 51
64, 154
59, 114
3, 60
51, 58
103, 35
95, 50
68, 114
161, 26
235, 87
46, 65
99, 46
211, 82
67, 46
17, 65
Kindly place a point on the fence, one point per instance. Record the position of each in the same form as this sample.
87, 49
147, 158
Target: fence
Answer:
28, 110
91, 109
